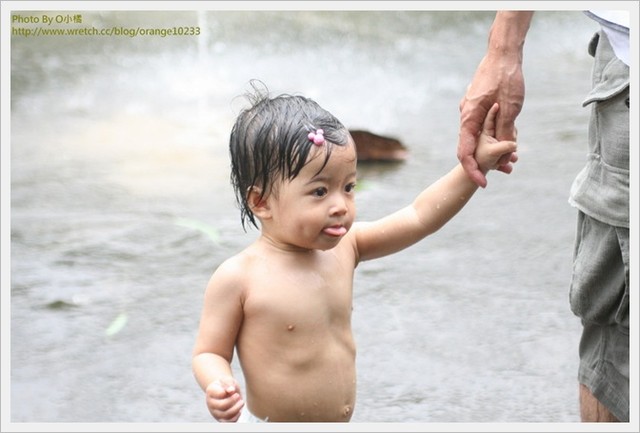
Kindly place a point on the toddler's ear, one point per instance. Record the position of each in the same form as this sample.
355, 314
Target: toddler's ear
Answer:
258, 204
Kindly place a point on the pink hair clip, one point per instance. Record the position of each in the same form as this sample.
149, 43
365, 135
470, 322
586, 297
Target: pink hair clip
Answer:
317, 137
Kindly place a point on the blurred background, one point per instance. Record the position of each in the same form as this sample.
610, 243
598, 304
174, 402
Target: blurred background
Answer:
121, 208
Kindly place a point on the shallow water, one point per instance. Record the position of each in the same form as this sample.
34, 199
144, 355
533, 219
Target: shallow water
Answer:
121, 208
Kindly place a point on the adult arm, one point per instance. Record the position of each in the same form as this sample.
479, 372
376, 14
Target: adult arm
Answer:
498, 78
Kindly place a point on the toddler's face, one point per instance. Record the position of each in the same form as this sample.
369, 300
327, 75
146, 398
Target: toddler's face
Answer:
315, 210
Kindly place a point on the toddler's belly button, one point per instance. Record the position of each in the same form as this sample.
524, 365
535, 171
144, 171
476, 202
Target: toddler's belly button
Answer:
346, 411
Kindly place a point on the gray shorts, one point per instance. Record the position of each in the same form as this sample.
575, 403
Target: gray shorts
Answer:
599, 295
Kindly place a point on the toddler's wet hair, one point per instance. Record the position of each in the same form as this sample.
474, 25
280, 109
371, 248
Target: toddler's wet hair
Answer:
270, 142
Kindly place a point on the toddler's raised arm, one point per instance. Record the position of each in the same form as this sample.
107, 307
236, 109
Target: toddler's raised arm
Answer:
434, 206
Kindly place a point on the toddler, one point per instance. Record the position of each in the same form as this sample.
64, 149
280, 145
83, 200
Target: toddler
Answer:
284, 303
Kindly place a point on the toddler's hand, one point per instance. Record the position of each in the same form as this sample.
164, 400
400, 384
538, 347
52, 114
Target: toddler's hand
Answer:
492, 154
224, 399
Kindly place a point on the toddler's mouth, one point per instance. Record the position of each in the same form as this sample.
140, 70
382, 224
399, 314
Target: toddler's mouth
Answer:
335, 231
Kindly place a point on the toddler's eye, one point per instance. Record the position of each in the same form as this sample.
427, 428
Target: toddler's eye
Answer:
320, 192
350, 187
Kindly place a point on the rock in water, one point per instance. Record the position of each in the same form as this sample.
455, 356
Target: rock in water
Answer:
373, 147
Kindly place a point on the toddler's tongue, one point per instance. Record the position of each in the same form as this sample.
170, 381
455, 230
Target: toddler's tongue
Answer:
335, 231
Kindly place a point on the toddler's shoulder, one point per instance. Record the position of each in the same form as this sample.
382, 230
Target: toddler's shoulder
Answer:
228, 275
235, 270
